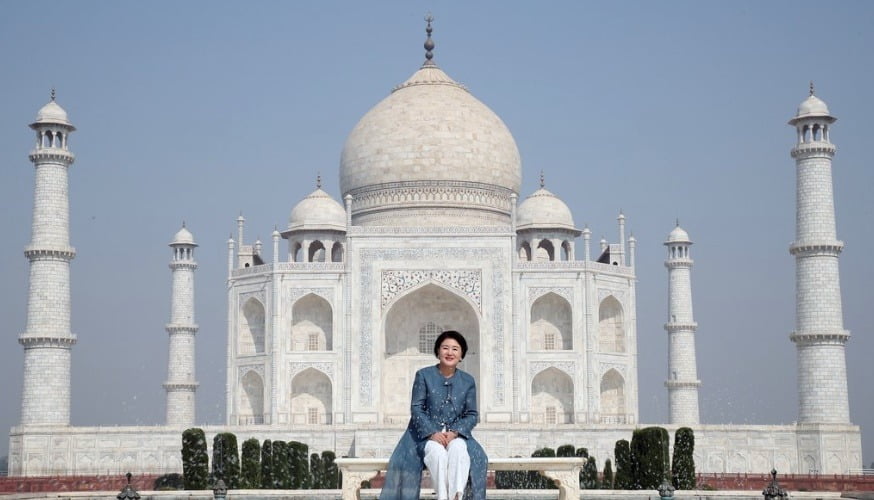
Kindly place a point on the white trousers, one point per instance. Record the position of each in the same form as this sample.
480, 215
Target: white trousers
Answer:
449, 467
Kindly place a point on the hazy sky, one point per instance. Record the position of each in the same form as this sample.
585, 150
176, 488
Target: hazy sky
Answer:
196, 111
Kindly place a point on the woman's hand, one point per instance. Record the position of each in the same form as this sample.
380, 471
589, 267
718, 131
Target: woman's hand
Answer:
441, 438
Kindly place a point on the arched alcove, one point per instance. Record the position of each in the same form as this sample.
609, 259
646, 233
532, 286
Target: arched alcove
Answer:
416, 315
545, 252
551, 324
251, 336
311, 398
613, 398
316, 252
525, 251
251, 409
552, 397
337, 252
312, 324
611, 328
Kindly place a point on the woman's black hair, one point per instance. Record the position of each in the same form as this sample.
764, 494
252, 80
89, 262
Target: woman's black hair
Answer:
450, 334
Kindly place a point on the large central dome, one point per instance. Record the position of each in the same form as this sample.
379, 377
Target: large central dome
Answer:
430, 154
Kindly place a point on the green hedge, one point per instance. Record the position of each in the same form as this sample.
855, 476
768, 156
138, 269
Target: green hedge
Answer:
683, 463
250, 471
226, 459
195, 460
607, 483
622, 454
649, 457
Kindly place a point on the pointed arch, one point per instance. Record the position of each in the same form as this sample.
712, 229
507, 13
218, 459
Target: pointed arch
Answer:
545, 251
552, 397
337, 252
295, 252
312, 326
525, 251
566, 250
409, 326
252, 327
611, 325
613, 398
311, 398
316, 252
251, 403
551, 324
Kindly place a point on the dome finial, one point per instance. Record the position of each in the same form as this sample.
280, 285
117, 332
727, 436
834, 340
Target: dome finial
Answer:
678, 222
429, 44
53, 94
811, 88
542, 179
319, 180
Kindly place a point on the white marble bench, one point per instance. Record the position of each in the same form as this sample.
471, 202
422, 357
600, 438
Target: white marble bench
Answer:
564, 472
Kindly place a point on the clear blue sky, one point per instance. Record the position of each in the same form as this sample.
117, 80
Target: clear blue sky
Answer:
200, 110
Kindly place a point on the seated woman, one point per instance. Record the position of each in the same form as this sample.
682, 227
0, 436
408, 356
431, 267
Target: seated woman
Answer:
442, 415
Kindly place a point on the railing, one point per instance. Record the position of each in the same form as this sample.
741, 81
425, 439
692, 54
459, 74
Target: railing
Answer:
552, 418
615, 418
253, 420
307, 419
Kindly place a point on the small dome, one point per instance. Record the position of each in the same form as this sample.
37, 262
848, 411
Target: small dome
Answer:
678, 235
52, 113
812, 106
317, 211
183, 237
544, 210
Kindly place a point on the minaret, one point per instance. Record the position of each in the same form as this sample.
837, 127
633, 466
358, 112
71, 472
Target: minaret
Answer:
180, 384
819, 334
47, 338
682, 380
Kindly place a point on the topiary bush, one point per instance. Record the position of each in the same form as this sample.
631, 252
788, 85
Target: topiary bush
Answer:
590, 474
331, 478
317, 472
195, 460
649, 457
281, 466
250, 469
565, 450
169, 482
300, 467
622, 454
226, 460
683, 462
267, 465
607, 483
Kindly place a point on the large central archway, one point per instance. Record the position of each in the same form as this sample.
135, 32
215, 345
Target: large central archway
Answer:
411, 326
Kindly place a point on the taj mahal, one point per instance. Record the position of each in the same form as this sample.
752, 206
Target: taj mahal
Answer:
329, 320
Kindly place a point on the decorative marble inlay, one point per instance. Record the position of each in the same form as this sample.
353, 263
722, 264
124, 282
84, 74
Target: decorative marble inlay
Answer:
535, 293
259, 369
296, 367
369, 256
259, 295
325, 293
535, 367
603, 293
468, 282
606, 367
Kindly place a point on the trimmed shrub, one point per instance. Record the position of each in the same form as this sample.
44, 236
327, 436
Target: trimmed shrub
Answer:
582, 452
226, 460
169, 482
607, 483
649, 457
195, 460
300, 467
267, 465
683, 463
534, 481
317, 472
332, 473
510, 479
565, 450
590, 474
622, 454
281, 466
250, 470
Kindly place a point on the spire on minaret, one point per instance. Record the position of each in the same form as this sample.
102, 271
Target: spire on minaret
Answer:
542, 179
319, 180
53, 94
429, 43
811, 88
